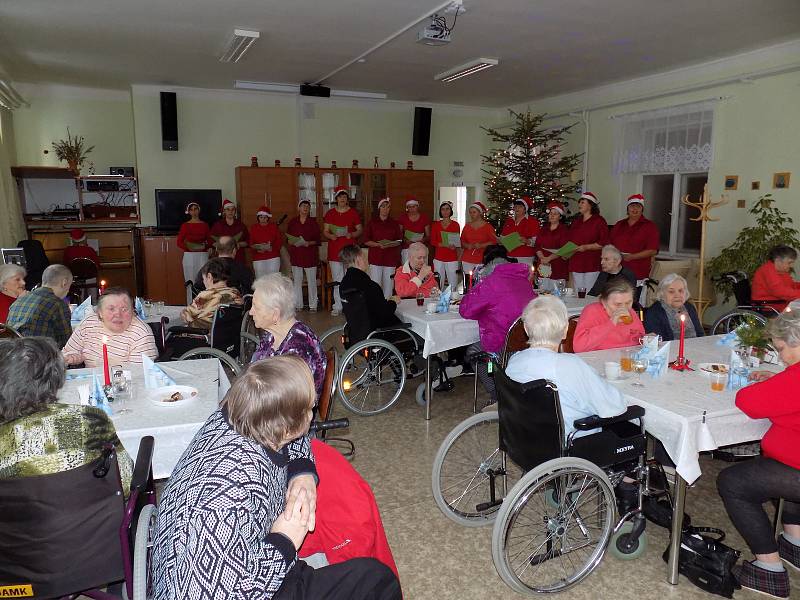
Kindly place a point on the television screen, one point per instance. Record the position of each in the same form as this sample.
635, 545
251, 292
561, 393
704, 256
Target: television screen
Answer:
171, 206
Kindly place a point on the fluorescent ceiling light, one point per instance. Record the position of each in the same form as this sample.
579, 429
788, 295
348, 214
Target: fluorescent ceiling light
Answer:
239, 44
473, 66
289, 88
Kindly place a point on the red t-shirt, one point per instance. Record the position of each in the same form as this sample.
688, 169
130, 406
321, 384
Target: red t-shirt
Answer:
444, 253
480, 235
265, 234
376, 231
642, 235
417, 226
195, 233
304, 256
776, 288
527, 228
73, 252
592, 231
349, 219
237, 231
5, 303
554, 239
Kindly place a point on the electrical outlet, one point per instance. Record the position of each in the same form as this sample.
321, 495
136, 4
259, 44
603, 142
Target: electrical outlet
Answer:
740, 203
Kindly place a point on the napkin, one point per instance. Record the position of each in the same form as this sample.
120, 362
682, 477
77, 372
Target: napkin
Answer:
154, 376
138, 306
730, 339
83, 310
99, 398
658, 359
444, 300
705, 441
738, 374
84, 393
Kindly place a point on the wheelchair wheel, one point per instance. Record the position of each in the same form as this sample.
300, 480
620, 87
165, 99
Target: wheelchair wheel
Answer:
619, 543
141, 553
229, 365
537, 548
730, 321
463, 467
371, 377
332, 339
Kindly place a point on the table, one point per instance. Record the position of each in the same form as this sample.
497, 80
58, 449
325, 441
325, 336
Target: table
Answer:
674, 405
445, 331
172, 312
172, 427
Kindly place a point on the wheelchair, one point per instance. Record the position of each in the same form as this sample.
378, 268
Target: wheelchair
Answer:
746, 309
550, 497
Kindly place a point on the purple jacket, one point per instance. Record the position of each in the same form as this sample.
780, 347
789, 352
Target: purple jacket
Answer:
497, 301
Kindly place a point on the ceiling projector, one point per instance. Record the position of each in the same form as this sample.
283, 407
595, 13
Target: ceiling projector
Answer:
433, 36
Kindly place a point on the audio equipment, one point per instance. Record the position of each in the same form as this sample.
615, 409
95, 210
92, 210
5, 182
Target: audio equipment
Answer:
315, 90
422, 131
169, 121
124, 171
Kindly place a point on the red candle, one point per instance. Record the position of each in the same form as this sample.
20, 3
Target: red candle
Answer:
683, 335
470, 280
106, 376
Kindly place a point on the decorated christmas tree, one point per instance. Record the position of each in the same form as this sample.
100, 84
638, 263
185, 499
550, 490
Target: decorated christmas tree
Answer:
528, 162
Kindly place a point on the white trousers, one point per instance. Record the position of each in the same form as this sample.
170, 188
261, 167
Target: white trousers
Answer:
383, 277
584, 280
337, 272
267, 266
447, 270
528, 260
192, 263
311, 280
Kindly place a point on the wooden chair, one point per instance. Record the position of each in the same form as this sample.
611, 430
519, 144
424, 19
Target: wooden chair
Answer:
84, 274
516, 340
6, 331
566, 343
326, 401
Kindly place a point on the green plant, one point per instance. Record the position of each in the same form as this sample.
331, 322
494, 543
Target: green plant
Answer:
753, 334
73, 150
750, 249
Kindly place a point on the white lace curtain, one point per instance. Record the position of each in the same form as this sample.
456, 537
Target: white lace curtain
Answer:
665, 140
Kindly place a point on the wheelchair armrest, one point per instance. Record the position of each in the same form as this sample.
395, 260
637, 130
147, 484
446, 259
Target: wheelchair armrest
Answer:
594, 421
486, 356
185, 329
405, 326
143, 464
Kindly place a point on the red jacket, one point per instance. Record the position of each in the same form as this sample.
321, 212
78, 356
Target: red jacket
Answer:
407, 283
776, 399
596, 330
768, 284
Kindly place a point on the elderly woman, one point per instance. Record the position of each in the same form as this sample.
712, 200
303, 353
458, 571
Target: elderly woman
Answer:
746, 486
383, 236
215, 273
664, 317
12, 286
114, 321
772, 281
65, 436
415, 276
611, 265
611, 322
240, 499
273, 312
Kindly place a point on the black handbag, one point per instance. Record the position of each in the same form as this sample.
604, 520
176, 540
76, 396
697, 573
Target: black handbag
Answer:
706, 561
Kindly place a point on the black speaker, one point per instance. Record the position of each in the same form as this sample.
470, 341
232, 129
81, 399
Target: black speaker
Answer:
169, 121
422, 131
319, 91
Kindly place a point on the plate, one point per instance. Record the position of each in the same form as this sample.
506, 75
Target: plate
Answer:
161, 396
710, 368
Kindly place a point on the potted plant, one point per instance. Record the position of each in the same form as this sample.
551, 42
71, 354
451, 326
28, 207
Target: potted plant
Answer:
750, 249
753, 337
73, 150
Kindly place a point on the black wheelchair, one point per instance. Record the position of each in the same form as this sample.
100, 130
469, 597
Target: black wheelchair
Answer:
555, 523
747, 309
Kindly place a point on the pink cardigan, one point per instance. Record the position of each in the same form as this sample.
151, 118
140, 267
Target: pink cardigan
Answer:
596, 330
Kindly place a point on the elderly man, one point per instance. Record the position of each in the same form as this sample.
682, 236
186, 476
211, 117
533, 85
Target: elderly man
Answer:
415, 275
43, 311
241, 277
611, 265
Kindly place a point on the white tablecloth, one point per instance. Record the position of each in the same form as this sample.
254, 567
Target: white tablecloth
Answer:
173, 312
172, 426
674, 405
445, 331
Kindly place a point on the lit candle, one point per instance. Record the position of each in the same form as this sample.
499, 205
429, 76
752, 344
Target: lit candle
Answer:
102, 286
106, 377
683, 335
470, 280
641, 315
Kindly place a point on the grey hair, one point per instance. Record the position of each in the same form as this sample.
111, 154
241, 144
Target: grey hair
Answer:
786, 328
8, 271
611, 249
546, 320
54, 274
667, 281
349, 254
277, 291
416, 247
113, 291
31, 373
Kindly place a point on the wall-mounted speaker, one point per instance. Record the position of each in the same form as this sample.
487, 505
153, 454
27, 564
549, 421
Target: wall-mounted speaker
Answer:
169, 121
422, 131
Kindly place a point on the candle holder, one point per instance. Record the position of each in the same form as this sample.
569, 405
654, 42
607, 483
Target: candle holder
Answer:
681, 364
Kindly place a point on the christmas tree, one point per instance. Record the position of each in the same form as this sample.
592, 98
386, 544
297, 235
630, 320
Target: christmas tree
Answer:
528, 163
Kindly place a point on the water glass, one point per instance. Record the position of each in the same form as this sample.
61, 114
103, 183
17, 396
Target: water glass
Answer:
639, 367
561, 287
159, 307
120, 389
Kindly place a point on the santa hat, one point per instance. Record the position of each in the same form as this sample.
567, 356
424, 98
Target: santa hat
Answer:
448, 202
555, 205
411, 201
341, 190
635, 199
590, 197
479, 205
264, 210
77, 235
303, 200
383, 201
188, 206
525, 201
225, 204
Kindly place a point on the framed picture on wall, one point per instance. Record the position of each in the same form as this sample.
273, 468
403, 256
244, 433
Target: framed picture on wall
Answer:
780, 181
755, 185
731, 182
12, 256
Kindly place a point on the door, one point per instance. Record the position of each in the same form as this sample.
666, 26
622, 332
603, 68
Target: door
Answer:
680, 235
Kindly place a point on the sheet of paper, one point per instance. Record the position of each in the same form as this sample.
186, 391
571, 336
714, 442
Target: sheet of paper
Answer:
512, 241
567, 250
412, 236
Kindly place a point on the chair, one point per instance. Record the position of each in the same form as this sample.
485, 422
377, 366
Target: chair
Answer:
326, 402
159, 329
566, 343
83, 270
72, 532
516, 340
7, 331
249, 334
36, 262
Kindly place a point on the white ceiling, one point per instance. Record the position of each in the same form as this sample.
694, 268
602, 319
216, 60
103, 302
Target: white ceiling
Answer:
545, 47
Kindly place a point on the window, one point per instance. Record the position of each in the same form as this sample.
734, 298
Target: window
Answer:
679, 234
460, 196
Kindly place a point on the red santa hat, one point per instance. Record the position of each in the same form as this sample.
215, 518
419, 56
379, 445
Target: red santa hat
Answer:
590, 197
303, 200
225, 204
525, 201
341, 190
556, 205
635, 199
77, 235
479, 205
188, 206
264, 210
411, 201
383, 201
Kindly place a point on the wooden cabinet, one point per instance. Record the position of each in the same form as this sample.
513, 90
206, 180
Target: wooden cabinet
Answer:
163, 269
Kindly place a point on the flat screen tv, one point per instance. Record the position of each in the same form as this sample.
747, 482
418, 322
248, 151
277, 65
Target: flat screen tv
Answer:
171, 206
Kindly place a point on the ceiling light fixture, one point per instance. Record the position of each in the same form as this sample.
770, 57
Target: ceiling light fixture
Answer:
473, 66
239, 44
289, 88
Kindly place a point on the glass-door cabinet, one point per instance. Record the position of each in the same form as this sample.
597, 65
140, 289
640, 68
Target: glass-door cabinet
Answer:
328, 181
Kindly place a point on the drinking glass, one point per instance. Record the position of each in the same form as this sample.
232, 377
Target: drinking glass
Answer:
639, 367
420, 298
581, 292
718, 381
561, 286
121, 389
159, 307
626, 360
